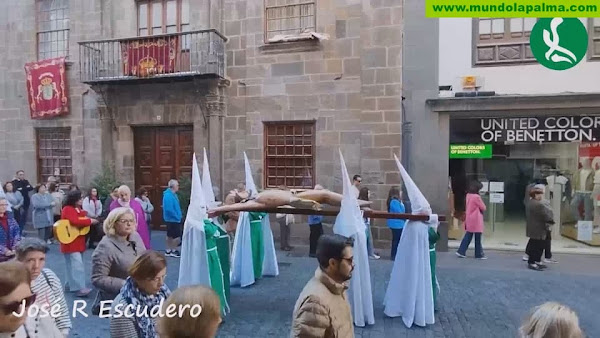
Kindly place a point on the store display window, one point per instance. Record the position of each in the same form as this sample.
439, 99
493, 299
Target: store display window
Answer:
510, 154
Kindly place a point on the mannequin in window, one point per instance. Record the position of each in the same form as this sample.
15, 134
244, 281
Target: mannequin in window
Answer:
596, 194
583, 186
557, 186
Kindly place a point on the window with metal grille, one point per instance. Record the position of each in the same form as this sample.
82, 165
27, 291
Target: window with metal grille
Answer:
594, 33
289, 17
54, 154
163, 16
52, 28
290, 154
500, 41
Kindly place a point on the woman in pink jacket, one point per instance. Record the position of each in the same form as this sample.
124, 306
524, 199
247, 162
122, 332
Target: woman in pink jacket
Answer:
473, 222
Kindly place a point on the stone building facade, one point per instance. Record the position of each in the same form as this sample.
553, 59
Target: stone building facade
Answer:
343, 88
350, 86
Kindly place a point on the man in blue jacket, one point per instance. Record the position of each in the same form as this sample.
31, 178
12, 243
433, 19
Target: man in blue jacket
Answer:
172, 217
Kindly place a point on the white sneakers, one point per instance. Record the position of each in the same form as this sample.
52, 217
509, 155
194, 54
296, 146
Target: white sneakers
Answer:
545, 260
172, 253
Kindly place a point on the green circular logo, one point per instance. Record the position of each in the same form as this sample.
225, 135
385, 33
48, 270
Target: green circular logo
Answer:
559, 43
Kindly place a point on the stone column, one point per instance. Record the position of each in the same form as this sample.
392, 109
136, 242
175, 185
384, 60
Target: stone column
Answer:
216, 108
428, 162
107, 126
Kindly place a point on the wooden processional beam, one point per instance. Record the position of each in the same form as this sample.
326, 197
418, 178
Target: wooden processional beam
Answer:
367, 213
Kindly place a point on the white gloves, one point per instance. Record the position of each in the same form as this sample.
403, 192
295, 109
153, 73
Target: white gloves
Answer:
434, 221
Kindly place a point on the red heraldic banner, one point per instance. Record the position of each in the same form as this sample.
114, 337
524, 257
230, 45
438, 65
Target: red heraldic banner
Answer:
47, 88
149, 56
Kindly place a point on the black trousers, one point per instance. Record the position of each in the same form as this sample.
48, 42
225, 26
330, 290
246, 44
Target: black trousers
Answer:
535, 248
316, 230
547, 246
284, 233
396, 234
95, 235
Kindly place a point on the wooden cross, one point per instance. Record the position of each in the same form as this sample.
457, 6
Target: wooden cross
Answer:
333, 212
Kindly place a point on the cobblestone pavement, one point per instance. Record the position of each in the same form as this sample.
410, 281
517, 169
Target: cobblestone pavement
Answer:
478, 298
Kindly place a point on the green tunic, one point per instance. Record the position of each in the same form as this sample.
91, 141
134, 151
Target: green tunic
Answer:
258, 248
214, 263
224, 258
433, 238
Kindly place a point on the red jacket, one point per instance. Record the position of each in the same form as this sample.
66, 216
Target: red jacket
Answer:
77, 217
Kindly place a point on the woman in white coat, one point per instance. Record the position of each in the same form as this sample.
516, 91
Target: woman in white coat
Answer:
93, 206
147, 206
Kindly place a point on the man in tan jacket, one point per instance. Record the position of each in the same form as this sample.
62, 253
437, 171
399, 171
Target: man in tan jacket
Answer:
322, 309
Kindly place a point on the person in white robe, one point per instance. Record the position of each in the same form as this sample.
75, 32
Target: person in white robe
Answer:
207, 189
221, 238
410, 293
193, 267
209, 197
349, 223
242, 267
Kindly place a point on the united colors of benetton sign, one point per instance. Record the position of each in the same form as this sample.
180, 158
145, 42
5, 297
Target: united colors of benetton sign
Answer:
530, 129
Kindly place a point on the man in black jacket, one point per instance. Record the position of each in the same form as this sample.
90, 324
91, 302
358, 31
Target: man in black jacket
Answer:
22, 185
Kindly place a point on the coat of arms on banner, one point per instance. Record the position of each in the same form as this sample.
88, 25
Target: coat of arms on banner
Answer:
47, 88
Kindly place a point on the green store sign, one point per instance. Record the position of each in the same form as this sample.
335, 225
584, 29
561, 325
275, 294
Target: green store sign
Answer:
470, 151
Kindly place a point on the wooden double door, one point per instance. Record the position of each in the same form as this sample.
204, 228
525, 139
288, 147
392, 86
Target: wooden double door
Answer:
161, 154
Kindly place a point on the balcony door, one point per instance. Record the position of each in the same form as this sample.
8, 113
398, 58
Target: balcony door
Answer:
163, 17
166, 17
161, 154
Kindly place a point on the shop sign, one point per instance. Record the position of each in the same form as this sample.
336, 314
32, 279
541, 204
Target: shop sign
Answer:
470, 151
536, 129
589, 149
496, 186
497, 197
584, 230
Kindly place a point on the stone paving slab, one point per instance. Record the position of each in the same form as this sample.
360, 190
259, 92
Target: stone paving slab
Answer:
478, 298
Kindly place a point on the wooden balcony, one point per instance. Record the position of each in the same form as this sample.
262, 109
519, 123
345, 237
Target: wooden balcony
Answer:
168, 57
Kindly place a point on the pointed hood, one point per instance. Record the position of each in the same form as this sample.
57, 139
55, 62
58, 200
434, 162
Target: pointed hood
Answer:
193, 266
350, 223
349, 220
346, 183
250, 186
207, 188
418, 202
197, 208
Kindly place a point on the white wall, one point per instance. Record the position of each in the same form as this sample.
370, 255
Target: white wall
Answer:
456, 61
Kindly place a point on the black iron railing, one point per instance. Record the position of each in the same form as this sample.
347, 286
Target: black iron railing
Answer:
197, 53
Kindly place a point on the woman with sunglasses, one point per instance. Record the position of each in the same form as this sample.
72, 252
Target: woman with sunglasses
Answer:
15, 298
143, 290
115, 254
147, 206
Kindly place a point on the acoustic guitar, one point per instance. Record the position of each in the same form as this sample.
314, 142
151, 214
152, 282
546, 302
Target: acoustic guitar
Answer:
66, 233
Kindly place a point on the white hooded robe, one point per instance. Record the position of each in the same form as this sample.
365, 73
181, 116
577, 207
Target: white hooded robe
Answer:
193, 266
349, 223
409, 292
242, 271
